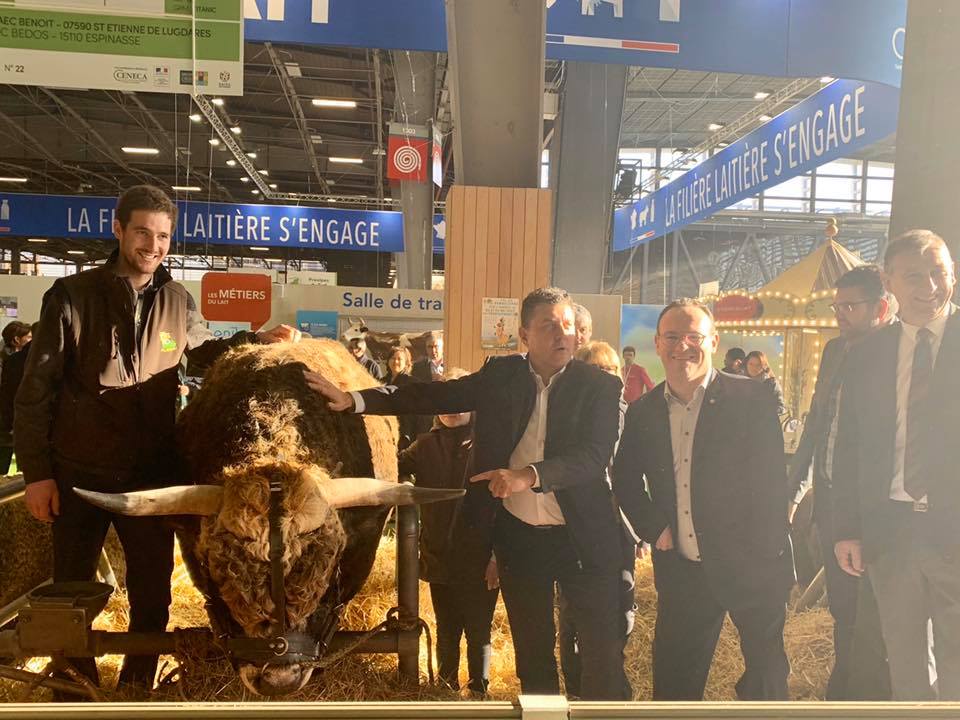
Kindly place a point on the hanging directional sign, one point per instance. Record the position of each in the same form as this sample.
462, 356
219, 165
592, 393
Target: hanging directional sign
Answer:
842, 118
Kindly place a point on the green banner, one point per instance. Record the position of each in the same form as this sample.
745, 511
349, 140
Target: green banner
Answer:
155, 45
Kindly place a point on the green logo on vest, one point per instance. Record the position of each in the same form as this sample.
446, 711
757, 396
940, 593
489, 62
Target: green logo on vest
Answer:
167, 343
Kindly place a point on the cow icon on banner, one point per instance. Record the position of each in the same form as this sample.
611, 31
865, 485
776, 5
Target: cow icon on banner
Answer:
409, 154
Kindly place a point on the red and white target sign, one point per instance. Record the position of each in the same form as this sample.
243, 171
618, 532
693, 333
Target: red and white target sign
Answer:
407, 158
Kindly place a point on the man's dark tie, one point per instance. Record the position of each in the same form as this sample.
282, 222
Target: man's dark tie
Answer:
918, 419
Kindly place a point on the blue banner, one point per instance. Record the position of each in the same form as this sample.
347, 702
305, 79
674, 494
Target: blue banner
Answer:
860, 39
292, 226
842, 118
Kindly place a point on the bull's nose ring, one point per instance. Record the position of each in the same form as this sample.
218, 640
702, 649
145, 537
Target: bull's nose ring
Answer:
279, 646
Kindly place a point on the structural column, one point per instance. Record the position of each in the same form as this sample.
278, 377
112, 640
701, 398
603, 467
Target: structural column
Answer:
415, 77
586, 155
925, 187
496, 50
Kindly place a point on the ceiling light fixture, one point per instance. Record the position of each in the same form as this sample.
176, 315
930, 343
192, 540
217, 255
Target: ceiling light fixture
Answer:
714, 126
236, 130
826, 80
140, 150
196, 117
13, 179
252, 155
273, 186
217, 101
761, 95
37, 240
244, 179
231, 162
186, 188
214, 141
332, 103
347, 160
255, 191
263, 172
76, 252
255, 248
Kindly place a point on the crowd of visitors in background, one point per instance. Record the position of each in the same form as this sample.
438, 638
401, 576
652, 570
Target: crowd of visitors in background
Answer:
571, 461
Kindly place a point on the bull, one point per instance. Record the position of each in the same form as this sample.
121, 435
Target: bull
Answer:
280, 524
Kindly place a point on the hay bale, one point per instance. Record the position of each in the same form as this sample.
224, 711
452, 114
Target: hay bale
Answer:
808, 638
27, 559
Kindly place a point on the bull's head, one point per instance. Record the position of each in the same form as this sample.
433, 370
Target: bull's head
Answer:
234, 545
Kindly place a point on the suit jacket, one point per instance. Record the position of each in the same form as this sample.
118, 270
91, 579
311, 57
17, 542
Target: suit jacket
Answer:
738, 487
816, 427
583, 423
421, 370
864, 455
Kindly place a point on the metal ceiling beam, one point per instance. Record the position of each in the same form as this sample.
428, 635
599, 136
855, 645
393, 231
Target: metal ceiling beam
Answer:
159, 133
76, 171
377, 80
733, 130
104, 147
293, 100
229, 139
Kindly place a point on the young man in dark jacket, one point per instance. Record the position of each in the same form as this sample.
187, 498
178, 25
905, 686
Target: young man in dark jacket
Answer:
456, 547
97, 403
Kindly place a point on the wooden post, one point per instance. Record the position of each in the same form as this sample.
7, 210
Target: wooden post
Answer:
498, 244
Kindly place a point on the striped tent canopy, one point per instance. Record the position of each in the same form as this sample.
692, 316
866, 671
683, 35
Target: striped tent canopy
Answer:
818, 271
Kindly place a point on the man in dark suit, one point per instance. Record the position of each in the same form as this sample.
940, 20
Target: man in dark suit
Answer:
431, 367
700, 475
896, 495
545, 430
861, 305
426, 370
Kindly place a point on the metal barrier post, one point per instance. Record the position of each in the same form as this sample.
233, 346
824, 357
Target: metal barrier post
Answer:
408, 592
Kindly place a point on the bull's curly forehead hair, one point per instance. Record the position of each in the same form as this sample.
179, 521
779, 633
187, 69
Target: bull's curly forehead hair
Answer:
542, 296
145, 197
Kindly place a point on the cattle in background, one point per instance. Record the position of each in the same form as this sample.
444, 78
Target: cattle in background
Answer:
380, 344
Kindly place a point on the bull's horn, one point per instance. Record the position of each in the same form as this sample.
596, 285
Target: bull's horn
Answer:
353, 492
180, 500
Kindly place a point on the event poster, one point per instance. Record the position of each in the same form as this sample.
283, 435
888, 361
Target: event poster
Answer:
499, 324
318, 323
638, 326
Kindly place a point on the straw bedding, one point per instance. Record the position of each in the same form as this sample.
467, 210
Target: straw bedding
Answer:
373, 677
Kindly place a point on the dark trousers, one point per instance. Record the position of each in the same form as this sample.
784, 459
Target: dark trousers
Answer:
567, 638
860, 669
530, 561
6, 455
78, 535
464, 609
689, 620
916, 582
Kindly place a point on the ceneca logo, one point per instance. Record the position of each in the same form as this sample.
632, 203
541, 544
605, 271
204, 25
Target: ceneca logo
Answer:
130, 76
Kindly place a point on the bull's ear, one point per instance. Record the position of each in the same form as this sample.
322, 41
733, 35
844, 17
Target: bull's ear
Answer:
354, 492
180, 500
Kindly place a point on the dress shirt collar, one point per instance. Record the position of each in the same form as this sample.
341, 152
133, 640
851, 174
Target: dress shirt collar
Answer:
539, 380
697, 393
936, 326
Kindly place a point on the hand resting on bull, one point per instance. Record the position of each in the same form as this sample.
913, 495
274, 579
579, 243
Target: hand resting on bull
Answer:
253, 426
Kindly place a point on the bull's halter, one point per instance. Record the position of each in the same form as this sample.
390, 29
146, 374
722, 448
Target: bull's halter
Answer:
282, 647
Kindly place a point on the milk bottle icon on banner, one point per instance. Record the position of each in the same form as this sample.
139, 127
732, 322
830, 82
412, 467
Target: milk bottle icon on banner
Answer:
4, 209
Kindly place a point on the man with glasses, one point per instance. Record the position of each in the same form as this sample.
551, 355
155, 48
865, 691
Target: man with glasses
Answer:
896, 498
861, 306
700, 475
